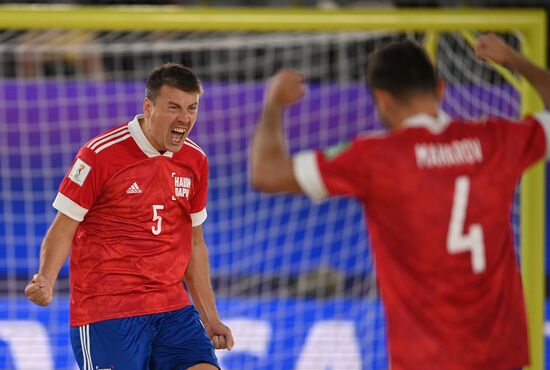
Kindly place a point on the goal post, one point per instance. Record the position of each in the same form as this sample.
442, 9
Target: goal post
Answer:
529, 22
533, 215
530, 26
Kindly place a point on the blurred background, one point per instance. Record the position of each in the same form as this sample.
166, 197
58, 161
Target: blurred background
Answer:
293, 279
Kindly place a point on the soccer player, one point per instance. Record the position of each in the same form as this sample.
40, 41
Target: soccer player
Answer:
131, 210
438, 193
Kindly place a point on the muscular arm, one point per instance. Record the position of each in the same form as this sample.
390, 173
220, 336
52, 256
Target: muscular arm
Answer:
55, 250
491, 47
197, 277
270, 163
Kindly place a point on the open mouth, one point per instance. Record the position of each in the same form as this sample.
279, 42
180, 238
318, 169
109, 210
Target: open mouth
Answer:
177, 134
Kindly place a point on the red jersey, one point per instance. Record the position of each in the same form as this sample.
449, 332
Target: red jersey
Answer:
136, 209
438, 196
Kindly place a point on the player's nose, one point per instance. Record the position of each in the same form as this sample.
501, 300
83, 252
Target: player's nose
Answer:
184, 117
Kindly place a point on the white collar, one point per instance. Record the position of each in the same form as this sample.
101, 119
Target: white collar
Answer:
139, 137
434, 125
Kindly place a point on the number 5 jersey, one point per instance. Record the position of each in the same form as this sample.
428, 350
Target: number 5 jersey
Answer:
136, 210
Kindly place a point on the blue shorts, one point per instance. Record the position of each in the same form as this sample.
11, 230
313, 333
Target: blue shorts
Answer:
163, 341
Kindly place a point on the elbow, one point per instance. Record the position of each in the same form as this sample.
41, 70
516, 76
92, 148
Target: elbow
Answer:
189, 276
273, 175
265, 177
274, 180
255, 182
259, 180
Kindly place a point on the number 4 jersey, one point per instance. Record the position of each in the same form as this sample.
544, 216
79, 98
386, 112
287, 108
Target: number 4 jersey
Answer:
438, 196
136, 210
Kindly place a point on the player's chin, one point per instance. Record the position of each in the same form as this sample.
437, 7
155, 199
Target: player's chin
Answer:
174, 146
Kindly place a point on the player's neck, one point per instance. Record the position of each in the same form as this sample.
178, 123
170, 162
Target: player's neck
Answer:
423, 105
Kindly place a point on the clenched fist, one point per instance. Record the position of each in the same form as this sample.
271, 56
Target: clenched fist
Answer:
491, 47
285, 88
39, 290
220, 334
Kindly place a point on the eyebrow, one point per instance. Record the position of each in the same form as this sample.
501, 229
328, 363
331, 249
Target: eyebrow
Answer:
179, 105
174, 103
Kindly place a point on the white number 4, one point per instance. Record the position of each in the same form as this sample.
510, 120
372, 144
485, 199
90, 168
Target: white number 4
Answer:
472, 241
156, 217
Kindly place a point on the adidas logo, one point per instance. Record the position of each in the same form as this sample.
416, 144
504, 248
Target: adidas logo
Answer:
134, 189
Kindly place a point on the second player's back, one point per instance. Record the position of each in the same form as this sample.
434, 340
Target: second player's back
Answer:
423, 175
438, 200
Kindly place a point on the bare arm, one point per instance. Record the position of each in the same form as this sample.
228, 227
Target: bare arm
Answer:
270, 163
493, 48
55, 250
197, 277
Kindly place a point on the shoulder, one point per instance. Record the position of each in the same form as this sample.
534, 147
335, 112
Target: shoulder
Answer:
108, 142
374, 140
106, 152
505, 126
542, 118
353, 149
493, 121
195, 148
191, 153
372, 137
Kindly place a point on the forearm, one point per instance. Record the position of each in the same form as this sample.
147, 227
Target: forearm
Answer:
269, 147
197, 277
53, 255
270, 162
56, 247
538, 77
269, 137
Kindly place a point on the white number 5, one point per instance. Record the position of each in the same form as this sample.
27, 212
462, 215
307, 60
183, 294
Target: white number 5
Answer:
158, 228
472, 241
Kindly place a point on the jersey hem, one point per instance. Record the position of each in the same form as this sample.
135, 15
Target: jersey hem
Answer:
74, 323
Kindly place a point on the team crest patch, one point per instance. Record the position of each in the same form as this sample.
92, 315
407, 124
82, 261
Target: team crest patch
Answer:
336, 150
79, 172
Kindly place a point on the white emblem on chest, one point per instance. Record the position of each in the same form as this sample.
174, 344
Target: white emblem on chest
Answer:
182, 186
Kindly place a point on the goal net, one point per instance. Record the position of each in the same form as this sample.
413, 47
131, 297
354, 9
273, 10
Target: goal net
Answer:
294, 280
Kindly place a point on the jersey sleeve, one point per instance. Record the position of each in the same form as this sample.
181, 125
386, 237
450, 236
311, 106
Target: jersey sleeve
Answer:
80, 187
527, 140
198, 201
544, 120
332, 172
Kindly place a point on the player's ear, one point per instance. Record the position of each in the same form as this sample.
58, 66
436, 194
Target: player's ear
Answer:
382, 98
441, 88
147, 105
